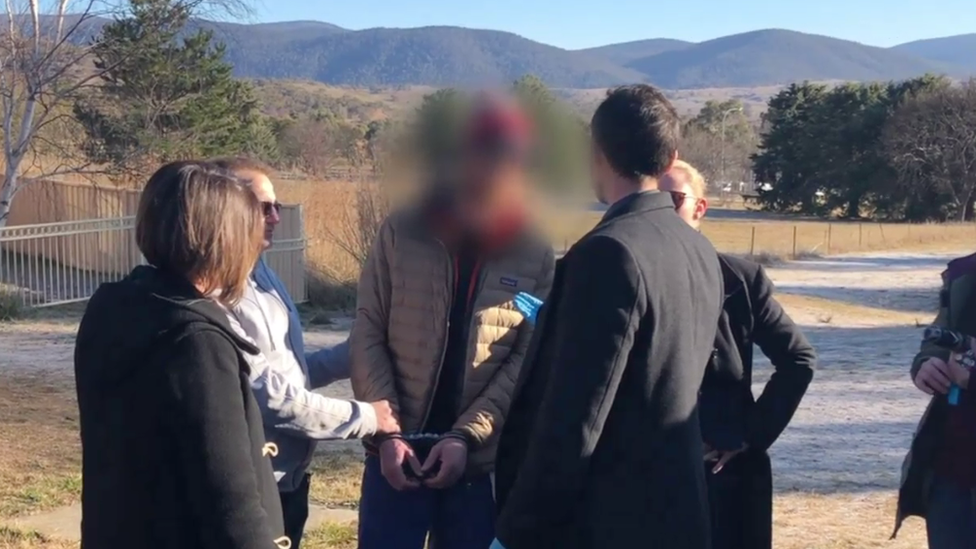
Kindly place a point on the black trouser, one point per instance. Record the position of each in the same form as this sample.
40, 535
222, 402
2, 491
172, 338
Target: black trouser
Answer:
740, 497
951, 518
294, 505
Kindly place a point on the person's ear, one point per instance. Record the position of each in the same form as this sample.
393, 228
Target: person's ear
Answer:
700, 208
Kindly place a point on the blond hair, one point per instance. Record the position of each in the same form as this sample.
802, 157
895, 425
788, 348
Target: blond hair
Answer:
195, 220
239, 164
692, 177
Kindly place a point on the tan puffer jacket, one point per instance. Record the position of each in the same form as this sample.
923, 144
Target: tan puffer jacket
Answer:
400, 332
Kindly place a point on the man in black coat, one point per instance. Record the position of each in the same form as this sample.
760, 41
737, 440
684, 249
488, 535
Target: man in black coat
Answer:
602, 447
737, 428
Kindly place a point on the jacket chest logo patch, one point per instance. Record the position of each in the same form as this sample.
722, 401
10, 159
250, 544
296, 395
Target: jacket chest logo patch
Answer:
510, 282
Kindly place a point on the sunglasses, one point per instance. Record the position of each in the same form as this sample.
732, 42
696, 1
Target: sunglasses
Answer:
271, 208
678, 198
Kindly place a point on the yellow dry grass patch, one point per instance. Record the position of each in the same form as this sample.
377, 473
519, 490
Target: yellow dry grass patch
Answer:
331, 536
337, 476
828, 311
841, 521
18, 539
40, 465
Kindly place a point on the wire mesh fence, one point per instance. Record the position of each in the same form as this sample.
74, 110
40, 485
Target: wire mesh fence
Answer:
59, 263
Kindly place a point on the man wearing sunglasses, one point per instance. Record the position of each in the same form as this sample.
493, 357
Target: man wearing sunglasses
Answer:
283, 376
737, 428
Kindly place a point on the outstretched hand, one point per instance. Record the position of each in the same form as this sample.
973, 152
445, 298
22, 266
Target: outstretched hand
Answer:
528, 305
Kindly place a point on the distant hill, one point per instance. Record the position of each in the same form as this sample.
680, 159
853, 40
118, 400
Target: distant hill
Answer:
455, 56
436, 56
625, 52
957, 50
769, 57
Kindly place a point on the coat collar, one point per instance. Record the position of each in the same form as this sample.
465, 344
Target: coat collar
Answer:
732, 281
638, 202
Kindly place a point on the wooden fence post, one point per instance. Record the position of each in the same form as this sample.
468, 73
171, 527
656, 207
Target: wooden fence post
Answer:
860, 235
752, 242
829, 232
794, 241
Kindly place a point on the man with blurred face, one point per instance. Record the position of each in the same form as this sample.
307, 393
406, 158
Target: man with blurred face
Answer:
283, 376
438, 336
602, 447
737, 428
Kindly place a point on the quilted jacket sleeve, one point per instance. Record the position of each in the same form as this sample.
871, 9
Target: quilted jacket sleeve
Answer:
487, 413
372, 369
930, 350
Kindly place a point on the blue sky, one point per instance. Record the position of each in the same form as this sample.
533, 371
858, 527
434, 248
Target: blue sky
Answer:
580, 24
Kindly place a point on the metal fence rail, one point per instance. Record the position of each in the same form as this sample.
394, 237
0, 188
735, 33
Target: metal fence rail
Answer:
59, 263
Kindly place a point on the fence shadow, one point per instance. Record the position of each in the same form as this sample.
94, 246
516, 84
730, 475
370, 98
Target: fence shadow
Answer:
923, 301
935, 262
855, 423
847, 458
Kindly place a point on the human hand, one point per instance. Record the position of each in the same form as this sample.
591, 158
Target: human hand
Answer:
933, 377
528, 305
960, 365
386, 422
393, 453
452, 455
721, 457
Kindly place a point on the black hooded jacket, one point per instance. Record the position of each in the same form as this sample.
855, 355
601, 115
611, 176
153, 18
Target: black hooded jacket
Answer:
173, 447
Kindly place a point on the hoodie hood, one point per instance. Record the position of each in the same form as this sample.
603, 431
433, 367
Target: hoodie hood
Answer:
126, 320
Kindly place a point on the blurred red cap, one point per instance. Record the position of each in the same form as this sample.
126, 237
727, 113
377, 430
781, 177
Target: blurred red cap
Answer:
499, 124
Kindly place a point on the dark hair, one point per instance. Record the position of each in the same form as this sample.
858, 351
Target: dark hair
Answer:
197, 221
637, 130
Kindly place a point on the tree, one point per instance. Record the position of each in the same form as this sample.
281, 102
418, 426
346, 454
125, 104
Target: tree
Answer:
321, 142
382, 137
45, 55
165, 95
788, 153
822, 153
719, 141
930, 142
38, 78
561, 135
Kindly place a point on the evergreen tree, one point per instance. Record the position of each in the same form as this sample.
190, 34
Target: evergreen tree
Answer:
166, 94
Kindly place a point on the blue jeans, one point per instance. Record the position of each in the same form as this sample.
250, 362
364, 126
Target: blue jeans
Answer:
459, 517
951, 518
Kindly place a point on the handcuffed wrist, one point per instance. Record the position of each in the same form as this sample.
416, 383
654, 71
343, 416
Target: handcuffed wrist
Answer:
458, 435
380, 439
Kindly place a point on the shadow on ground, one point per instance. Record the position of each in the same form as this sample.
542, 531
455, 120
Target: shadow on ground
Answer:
868, 263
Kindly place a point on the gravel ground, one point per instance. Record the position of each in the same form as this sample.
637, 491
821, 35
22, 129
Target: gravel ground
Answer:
853, 427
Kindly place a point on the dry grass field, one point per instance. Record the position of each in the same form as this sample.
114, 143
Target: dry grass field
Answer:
329, 221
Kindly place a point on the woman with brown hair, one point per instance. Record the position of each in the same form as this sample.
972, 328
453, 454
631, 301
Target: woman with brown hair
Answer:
173, 448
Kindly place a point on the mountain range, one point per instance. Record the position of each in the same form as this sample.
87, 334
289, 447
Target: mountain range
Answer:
456, 56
